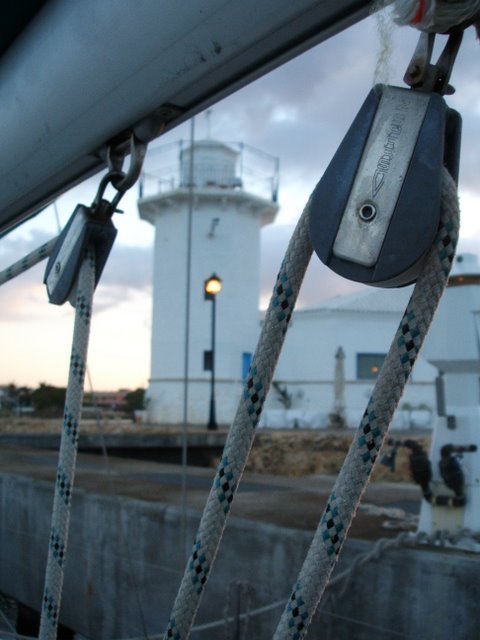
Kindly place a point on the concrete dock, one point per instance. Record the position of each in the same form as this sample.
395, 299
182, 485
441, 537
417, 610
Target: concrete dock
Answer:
132, 528
289, 502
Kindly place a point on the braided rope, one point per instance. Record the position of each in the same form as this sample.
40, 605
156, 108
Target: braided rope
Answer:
438, 16
68, 452
355, 473
242, 431
27, 262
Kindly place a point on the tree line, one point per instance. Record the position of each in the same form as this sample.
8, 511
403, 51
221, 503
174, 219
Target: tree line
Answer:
48, 400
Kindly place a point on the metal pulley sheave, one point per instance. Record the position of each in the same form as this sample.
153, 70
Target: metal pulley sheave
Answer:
383, 185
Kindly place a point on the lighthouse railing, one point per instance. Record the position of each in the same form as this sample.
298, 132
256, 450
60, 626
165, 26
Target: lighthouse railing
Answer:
254, 171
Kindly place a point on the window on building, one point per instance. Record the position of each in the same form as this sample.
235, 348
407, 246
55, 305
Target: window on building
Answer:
368, 365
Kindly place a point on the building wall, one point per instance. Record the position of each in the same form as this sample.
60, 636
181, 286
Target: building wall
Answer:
225, 240
307, 363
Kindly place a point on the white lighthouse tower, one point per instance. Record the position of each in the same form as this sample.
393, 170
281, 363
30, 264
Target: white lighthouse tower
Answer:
207, 221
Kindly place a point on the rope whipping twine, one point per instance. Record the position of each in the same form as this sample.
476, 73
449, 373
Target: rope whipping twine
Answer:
242, 431
68, 452
27, 262
437, 16
355, 473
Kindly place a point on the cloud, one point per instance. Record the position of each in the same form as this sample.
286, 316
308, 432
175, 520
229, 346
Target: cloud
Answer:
128, 267
320, 282
14, 246
300, 111
25, 292
127, 272
322, 90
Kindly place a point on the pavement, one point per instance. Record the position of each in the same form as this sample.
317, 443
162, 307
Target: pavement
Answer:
290, 502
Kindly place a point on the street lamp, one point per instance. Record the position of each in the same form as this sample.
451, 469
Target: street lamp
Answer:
211, 287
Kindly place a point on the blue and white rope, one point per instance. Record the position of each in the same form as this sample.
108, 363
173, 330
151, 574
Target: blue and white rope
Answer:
355, 473
28, 261
68, 452
242, 432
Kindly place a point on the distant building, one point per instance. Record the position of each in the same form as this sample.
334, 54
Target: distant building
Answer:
110, 400
363, 325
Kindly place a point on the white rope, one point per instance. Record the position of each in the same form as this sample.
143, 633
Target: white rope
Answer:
359, 462
242, 431
68, 451
355, 473
28, 261
438, 16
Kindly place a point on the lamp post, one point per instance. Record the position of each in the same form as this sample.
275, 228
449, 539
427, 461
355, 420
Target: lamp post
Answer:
211, 287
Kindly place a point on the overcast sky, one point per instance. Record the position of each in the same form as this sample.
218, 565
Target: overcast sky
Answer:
299, 113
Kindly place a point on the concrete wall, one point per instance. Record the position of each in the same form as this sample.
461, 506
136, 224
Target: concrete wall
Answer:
126, 558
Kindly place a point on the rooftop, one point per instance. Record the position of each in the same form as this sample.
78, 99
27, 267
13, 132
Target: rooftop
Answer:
369, 300
213, 164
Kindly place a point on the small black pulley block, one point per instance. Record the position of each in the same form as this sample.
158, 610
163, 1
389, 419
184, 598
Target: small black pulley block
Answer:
84, 228
376, 210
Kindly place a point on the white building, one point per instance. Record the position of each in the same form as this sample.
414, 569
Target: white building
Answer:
226, 219
225, 240
363, 324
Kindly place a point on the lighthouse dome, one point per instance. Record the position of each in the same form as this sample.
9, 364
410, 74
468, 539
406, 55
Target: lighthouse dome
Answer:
214, 165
